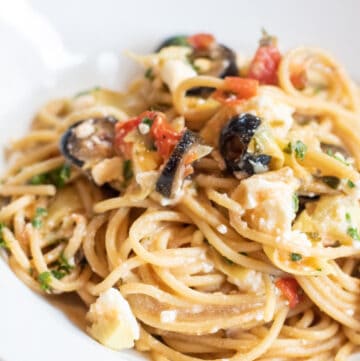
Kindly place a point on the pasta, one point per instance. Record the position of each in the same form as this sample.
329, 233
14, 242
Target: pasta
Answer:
217, 198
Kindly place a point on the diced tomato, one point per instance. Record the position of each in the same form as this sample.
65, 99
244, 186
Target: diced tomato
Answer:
290, 289
236, 90
264, 65
201, 40
165, 137
122, 129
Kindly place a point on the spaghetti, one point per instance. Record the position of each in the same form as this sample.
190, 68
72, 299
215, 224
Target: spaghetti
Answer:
219, 200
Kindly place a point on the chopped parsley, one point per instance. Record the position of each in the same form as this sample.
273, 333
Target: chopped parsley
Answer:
58, 177
64, 265
348, 217
149, 74
147, 121
350, 184
36, 222
44, 279
331, 181
39, 213
88, 91
295, 257
2, 241
295, 202
299, 148
353, 233
178, 41
127, 170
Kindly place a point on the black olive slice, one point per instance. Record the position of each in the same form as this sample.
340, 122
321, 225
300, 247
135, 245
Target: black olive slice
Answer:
89, 141
222, 61
170, 178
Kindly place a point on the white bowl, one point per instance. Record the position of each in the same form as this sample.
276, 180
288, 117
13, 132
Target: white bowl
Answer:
53, 48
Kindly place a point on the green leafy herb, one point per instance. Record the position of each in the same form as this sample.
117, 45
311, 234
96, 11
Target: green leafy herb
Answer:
63, 264
2, 241
295, 257
147, 121
179, 41
295, 202
36, 222
44, 279
127, 170
353, 233
332, 182
350, 184
149, 74
348, 217
88, 91
58, 274
58, 177
299, 148
319, 269
38, 179
39, 213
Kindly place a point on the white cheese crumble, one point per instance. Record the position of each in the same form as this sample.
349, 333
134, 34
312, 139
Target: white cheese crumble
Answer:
168, 316
144, 128
112, 321
84, 130
221, 228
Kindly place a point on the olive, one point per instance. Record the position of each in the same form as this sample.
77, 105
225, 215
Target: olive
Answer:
220, 60
234, 141
89, 141
171, 177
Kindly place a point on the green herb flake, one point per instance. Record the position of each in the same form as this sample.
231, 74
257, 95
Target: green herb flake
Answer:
58, 177
295, 202
44, 279
295, 257
2, 241
147, 121
332, 182
127, 170
86, 92
348, 217
319, 269
39, 179
58, 274
41, 211
36, 222
353, 233
350, 184
64, 265
299, 148
178, 41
